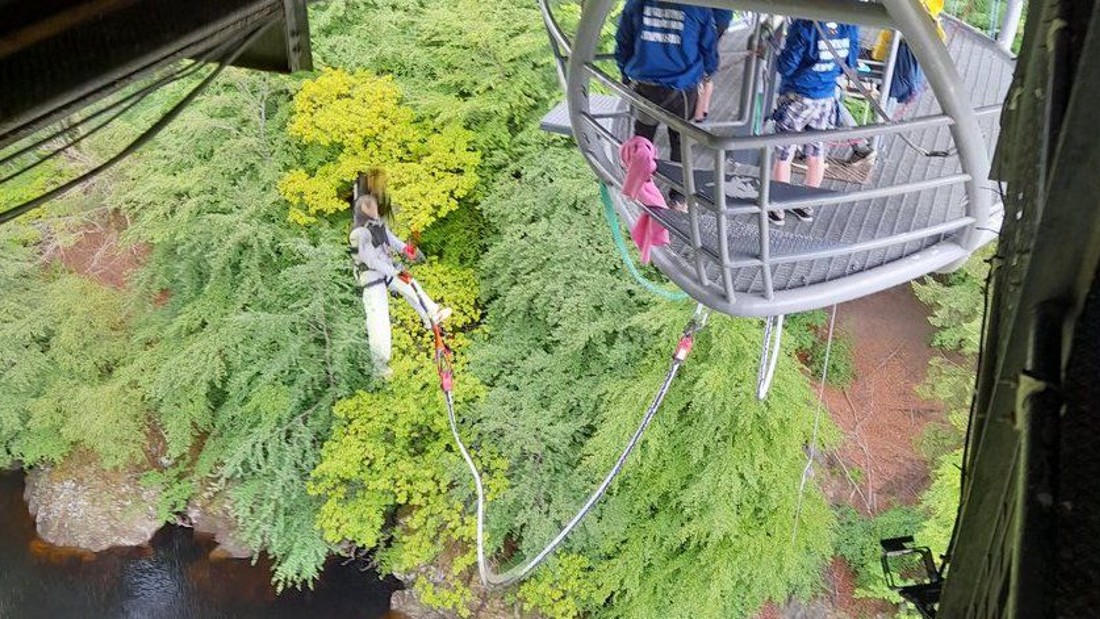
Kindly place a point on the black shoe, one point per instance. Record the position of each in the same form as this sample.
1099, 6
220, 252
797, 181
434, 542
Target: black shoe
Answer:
676, 201
776, 218
805, 214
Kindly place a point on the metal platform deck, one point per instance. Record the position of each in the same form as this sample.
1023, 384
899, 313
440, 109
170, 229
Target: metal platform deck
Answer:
829, 243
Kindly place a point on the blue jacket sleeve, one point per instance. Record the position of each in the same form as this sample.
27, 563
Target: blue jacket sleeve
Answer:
722, 19
626, 34
708, 46
853, 48
794, 50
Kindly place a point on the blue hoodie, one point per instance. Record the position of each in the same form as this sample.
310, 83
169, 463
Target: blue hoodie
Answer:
666, 43
722, 19
807, 65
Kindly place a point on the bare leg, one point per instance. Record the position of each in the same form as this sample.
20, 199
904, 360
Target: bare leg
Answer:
781, 172
815, 171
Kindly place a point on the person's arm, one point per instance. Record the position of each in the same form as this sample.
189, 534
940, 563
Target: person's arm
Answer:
708, 46
626, 34
794, 50
722, 19
375, 257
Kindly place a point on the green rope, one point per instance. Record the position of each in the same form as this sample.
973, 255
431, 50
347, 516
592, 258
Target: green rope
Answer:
624, 252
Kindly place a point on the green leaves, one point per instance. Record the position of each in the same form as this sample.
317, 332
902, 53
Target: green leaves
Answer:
360, 119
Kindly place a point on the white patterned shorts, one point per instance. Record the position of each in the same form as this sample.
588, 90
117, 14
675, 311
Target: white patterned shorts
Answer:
794, 113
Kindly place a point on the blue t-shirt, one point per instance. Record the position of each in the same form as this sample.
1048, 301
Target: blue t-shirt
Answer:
666, 43
806, 63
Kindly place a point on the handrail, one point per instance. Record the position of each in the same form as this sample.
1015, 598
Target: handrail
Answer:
828, 200
554, 28
696, 260
750, 142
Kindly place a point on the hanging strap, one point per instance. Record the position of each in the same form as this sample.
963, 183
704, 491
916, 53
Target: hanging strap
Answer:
446, 383
769, 355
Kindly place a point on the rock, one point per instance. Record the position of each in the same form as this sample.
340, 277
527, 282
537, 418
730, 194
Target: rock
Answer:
212, 516
79, 504
408, 604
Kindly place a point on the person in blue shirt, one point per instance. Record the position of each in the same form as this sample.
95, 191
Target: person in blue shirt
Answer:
808, 95
664, 51
722, 20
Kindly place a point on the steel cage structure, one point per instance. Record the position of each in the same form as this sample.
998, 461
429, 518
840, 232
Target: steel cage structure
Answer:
715, 267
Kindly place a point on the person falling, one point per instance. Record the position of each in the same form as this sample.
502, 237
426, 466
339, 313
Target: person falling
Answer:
374, 247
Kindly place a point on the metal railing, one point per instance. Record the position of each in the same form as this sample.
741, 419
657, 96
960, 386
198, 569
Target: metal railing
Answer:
578, 70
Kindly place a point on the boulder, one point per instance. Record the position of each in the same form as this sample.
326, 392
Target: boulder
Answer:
80, 504
211, 515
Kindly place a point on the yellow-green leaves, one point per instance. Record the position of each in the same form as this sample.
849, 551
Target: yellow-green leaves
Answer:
358, 121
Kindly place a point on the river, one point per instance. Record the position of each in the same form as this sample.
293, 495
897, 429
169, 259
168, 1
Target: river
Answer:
171, 578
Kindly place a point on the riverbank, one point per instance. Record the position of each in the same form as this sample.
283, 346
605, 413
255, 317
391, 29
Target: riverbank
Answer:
171, 576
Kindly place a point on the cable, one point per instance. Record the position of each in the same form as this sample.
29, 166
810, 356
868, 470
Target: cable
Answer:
490, 579
142, 139
769, 355
140, 93
817, 424
624, 253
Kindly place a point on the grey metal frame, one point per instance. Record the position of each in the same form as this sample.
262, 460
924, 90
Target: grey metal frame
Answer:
578, 70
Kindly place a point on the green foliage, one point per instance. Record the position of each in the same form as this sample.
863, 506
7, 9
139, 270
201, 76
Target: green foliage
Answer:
858, 539
391, 455
940, 504
62, 342
576, 356
562, 591
491, 75
357, 120
957, 301
806, 334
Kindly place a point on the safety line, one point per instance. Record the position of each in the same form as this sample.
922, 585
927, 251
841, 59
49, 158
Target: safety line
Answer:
806, 472
446, 382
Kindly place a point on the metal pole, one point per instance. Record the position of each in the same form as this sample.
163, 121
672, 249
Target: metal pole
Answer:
920, 34
887, 81
1014, 10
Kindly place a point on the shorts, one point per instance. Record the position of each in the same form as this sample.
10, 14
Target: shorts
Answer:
795, 113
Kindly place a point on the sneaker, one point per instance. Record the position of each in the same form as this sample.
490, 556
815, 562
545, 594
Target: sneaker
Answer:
805, 214
385, 373
798, 162
441, 315
776, 218
862, 155
676, 201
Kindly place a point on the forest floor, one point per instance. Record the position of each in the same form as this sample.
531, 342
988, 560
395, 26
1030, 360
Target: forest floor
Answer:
877, 464
98, 255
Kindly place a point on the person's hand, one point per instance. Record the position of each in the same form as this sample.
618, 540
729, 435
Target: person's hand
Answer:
418, 256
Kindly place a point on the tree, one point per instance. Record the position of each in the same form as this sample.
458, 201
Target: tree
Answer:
576, 354
356, 122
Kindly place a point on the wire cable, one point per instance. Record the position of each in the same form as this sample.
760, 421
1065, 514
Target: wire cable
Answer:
176, 75
146, 136
806, 472
488, 577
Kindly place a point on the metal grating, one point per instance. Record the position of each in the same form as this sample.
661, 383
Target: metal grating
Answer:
986, 72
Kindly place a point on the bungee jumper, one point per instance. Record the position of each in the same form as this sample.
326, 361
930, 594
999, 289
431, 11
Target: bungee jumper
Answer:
373, 246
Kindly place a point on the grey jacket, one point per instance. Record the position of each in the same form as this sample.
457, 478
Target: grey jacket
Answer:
376, 247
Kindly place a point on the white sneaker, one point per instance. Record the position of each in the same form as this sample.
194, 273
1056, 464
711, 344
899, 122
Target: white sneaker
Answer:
441, 315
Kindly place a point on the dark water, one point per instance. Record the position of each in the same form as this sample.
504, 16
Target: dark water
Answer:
171, 579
